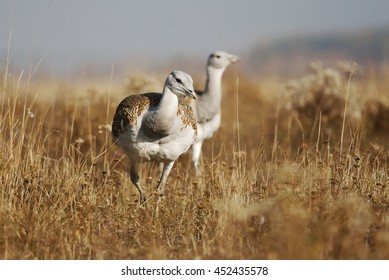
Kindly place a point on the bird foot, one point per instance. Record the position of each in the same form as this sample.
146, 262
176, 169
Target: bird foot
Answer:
142, 199
159, 197
198, 172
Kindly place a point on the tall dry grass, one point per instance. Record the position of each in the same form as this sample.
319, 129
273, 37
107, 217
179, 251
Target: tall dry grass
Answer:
269, 189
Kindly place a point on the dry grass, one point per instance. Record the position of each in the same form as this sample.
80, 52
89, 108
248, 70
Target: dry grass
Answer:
274, 186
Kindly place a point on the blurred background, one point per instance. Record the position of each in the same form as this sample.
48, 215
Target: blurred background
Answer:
85, 38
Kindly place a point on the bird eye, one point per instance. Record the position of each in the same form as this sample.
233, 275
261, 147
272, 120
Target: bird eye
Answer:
217, 56
178, 80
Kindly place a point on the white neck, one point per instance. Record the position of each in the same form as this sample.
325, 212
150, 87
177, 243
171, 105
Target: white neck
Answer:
169, 103
214, 82
162, 118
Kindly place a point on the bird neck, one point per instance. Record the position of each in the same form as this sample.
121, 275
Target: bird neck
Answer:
163, 118
214, 82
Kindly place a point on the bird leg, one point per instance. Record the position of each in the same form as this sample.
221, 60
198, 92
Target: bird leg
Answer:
160, 166
167, 167
196, 151
135, 180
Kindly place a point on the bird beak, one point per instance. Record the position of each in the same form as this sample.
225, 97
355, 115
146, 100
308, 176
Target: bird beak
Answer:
191, 93
234, 58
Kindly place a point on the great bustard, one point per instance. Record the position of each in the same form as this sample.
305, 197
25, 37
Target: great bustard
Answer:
207, 108
154, 126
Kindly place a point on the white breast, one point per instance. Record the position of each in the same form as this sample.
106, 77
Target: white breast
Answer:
141, 148
208, 129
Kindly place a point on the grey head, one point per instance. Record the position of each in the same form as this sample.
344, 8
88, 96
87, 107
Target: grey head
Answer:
180, 83
221, 59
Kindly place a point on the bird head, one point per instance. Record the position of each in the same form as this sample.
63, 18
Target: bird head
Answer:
221, 59
181, 84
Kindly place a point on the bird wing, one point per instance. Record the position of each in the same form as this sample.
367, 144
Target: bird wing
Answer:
130, 108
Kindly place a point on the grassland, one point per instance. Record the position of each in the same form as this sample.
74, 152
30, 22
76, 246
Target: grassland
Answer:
290, 174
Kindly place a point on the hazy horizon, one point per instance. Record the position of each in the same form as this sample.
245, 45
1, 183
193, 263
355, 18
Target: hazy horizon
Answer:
68, 34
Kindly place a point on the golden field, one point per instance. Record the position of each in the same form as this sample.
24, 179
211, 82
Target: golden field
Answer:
289, 175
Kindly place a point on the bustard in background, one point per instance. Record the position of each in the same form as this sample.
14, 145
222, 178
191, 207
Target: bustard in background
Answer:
207, 108
154, 126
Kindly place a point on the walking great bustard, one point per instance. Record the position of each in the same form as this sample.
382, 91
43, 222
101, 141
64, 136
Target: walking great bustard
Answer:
207, 108
155, 126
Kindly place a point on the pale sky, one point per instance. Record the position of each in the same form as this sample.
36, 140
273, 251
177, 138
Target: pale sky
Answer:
74, 32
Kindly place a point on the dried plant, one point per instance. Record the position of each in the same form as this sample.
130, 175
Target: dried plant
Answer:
319, 98
65, 192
